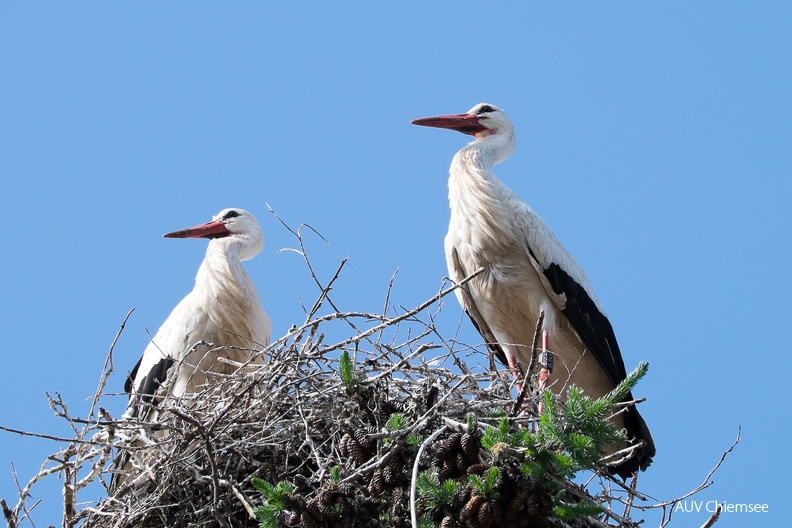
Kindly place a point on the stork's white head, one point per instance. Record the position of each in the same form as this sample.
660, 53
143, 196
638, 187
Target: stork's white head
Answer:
486, 122
230, 227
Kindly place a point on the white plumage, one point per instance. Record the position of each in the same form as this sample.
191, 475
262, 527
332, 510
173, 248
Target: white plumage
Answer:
526, 271
223, 310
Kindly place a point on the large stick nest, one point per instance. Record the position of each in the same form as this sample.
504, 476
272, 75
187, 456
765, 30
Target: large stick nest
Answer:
347, 447
294, 420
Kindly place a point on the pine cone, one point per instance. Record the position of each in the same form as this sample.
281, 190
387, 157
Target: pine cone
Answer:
362, 439
449, 470
471, 509
344, 445
539, 504
484, 515
470, 445
526, 521
325, 498
546, 501
448, 522
357, 451
462, 463
490, 513
317, 510
444, 449
399, 457
346, 489
376, 485
370, 504
347, 522
293, 519
307, 521
430, 396
517, 504
399, 500
388, 475
477, 469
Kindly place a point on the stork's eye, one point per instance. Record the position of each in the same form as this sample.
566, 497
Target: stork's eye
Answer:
485, 109
230, 214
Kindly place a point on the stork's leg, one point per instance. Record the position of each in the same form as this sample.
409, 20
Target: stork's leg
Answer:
515, 371
544, 372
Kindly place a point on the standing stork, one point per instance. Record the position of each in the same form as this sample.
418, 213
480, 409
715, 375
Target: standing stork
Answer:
526, 272
221, 317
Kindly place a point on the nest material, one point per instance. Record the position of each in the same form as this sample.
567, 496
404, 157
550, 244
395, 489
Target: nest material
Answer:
348, 448
294, 420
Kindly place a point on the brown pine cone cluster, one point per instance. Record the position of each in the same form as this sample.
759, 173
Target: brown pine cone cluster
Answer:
337, 506
374, 408
392, 475
530, 507
389, 407
515, 502
358, 446
518, 504
399, 510
456, 454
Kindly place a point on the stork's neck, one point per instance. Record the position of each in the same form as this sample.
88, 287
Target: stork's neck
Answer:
222, 263
473, 189
225, 289
489, 148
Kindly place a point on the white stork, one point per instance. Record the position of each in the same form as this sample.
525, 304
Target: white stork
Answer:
526, 272
223, 310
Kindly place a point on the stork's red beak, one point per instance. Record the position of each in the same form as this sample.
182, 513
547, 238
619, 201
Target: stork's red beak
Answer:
465, 123
213, 229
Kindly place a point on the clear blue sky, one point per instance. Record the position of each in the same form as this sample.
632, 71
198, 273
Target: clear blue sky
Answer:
654, 138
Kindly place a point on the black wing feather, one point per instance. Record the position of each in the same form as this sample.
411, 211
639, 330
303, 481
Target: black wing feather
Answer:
591, 325
130, 381
148, 386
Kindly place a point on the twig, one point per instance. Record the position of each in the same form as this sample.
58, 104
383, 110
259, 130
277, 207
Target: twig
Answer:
713, 518
8, 514
48, 436
107, 369
664, 506
526, 385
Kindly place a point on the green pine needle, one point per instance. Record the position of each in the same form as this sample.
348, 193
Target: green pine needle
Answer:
275, 498
346, 369
414, 441
628, 384
397, 421
486, 485
434, 494
425, 521
263, 486
335, 475
567, 512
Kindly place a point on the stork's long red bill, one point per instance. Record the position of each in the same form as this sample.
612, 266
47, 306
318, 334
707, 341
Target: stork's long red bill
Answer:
212, 229
465, 123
